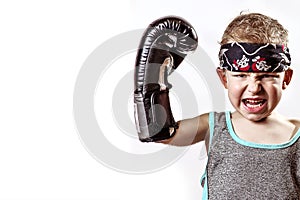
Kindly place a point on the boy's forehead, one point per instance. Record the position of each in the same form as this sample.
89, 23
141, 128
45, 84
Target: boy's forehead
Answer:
253, 73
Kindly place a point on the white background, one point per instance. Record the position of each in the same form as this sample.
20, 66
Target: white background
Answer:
43, 45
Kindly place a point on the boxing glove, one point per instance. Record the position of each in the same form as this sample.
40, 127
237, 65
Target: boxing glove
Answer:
163, 46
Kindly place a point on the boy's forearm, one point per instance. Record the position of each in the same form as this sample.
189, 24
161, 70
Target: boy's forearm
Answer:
190, 131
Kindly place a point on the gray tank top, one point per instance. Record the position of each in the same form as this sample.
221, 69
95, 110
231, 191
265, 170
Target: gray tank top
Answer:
237, 169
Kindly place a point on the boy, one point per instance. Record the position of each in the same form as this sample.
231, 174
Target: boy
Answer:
253, 152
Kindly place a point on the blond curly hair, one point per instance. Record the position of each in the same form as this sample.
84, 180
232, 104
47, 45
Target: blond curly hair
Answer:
255, 28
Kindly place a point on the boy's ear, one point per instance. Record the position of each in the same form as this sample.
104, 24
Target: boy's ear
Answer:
222, 75
288, 74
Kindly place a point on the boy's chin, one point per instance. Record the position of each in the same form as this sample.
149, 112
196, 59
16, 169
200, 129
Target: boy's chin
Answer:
254, 117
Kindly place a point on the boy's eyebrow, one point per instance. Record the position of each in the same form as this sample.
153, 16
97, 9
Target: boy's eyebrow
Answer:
269, 74
256, 74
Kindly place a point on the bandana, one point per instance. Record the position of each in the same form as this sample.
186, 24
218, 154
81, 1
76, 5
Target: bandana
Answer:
250, 57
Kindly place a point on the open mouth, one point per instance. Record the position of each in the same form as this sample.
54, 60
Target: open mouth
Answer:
254, 104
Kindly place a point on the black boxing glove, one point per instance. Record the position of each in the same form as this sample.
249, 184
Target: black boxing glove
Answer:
164, 45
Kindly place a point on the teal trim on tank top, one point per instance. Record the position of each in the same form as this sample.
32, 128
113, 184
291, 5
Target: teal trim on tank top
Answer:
257, 145
211, 127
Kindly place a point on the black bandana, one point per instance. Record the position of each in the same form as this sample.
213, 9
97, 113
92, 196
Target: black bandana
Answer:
250, 57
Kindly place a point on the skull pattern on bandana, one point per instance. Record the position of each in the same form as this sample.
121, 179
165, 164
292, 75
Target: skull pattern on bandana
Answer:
252, 57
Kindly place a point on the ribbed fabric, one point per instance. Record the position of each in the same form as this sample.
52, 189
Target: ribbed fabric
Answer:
238, 169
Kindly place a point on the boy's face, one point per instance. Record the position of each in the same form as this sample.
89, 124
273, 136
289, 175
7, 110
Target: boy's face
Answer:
254, 95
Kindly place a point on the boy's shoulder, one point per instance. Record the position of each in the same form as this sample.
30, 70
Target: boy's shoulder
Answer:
296, 122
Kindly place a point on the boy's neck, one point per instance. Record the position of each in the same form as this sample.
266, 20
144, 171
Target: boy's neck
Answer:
274, 129
274, 116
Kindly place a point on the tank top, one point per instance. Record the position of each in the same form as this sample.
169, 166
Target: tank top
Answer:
238, 169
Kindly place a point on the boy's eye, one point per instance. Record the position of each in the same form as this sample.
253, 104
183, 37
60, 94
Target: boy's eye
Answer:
269, 76
266, 76
240, 75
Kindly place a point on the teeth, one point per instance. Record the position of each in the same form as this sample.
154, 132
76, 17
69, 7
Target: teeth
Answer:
254, 103
254, 106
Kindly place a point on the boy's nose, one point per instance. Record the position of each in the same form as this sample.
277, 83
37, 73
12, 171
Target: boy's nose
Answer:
253, 87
